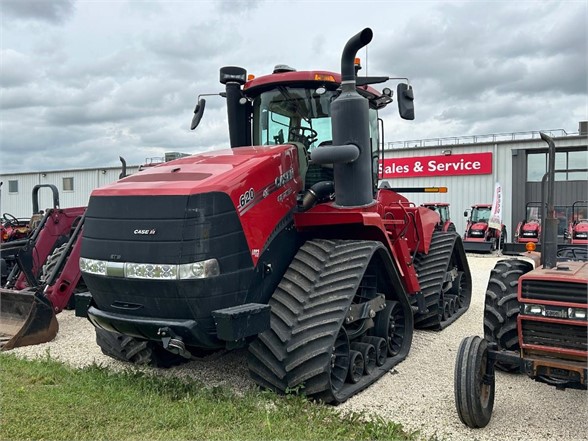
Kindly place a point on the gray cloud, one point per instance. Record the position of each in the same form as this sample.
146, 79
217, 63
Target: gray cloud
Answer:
48, 11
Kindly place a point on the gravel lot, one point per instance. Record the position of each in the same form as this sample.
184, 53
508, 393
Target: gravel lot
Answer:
418, 393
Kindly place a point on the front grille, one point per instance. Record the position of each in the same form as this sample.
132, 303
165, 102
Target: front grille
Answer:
555, 335
554, 290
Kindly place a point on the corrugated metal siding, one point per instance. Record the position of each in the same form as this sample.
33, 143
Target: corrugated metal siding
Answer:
20, 204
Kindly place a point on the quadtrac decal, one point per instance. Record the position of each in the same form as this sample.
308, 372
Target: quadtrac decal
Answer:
250, 198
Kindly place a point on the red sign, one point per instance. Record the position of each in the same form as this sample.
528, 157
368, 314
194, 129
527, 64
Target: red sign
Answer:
440, 165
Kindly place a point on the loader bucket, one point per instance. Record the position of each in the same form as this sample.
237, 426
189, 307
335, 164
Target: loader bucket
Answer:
26, 318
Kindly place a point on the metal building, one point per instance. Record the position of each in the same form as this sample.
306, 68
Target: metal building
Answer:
471, 165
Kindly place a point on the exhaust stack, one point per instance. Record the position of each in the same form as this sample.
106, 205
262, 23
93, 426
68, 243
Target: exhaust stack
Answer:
350, 153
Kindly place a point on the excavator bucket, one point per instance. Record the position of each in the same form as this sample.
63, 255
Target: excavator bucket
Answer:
26, 318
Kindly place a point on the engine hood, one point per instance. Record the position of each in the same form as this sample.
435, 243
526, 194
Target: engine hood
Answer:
479, 226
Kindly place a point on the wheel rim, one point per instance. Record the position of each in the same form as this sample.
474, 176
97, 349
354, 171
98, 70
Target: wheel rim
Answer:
392, 327
339, 360
356, 365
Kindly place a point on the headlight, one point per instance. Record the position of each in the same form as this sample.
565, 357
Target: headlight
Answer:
577, 313
93, 266
153, 271
534, 309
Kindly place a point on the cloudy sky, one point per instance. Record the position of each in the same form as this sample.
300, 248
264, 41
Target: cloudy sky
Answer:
83, 82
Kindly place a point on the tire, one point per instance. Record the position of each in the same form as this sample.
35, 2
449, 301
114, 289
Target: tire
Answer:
473, 389
503, 239
49, 265
501, 307
133, 350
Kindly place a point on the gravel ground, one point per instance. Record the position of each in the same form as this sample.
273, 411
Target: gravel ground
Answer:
418, 393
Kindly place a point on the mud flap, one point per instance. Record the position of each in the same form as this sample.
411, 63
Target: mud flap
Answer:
26, 318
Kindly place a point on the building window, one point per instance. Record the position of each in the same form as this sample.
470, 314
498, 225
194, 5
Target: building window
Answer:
12, 186
537, 166
68, 184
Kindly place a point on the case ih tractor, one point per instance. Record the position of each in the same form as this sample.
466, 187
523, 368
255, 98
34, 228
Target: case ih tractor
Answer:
535, 321
529, 229
577, 232
442, 208
282, 243
44, 275
479, 237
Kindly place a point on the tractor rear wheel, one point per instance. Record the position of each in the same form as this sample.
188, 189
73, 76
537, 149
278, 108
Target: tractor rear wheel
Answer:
328, 283
501, 307
473, 387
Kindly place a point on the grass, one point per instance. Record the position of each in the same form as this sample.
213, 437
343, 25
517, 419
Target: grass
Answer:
46, 400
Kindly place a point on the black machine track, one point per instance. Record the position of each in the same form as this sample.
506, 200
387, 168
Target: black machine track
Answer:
446, 257
501, 307
133, 350
308, 346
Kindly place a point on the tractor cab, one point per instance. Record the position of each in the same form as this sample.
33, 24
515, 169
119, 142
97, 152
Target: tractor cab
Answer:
291, 107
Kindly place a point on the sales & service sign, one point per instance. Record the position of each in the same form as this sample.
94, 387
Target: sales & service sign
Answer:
440, 165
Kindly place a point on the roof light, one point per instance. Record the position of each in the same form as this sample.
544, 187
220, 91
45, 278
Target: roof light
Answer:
530, 246
435, 189
324, 77
250, 77
357, 61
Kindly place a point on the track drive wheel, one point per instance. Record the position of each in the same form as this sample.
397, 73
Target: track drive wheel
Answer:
133, 350
501, 307
390, 325
473, 387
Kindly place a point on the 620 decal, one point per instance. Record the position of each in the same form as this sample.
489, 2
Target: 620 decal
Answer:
246, 198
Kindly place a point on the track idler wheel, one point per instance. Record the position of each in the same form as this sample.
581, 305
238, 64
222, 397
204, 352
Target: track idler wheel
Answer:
389, 324
356, 366
368, 352
474, 383
380, 346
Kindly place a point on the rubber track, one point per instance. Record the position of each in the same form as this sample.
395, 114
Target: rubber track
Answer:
431, 269
308, 308
501, 307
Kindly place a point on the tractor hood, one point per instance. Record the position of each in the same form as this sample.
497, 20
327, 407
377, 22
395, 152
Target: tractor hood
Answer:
479, 226
531, 226
582, 227
219, 170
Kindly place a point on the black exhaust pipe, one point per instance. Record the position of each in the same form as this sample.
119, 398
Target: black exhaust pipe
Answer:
549, 231
350, 126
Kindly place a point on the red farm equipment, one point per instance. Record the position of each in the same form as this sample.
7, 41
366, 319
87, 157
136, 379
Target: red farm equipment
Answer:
282, 243
478, 236
442, 208
529, 229
535, 320
44, 275
577, 231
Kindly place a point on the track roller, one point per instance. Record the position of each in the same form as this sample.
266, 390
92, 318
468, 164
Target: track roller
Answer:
368, 352
356, 367
380, 346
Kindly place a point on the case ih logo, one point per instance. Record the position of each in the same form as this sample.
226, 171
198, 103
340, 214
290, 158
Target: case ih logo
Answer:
145, 232
441, 165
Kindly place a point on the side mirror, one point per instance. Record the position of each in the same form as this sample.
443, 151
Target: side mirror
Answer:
465, 213
405, 97
198, 112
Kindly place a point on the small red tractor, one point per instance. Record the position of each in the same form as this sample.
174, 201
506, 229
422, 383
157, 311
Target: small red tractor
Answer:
283, 243
577, 231
478, 236
535, 320
442, 208
529, 229
44, 275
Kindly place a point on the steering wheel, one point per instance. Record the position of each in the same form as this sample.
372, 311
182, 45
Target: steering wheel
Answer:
10, 220
297, 134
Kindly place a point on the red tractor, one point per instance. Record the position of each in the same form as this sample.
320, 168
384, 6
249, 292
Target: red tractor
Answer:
535, 320
442, 208
44, 275
577, 232
282, 243
479, 237
529, 229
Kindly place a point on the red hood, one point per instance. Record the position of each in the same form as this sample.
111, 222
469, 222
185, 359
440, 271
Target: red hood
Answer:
581, 227
532, 226
479, 226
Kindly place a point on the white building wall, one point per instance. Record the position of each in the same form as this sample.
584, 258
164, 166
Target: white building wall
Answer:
20, 204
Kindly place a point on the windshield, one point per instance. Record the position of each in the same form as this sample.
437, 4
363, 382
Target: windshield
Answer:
296, 114
481, 215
